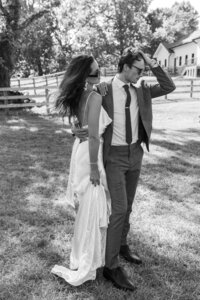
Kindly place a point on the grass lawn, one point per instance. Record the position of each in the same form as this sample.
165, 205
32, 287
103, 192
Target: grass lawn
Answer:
36, 228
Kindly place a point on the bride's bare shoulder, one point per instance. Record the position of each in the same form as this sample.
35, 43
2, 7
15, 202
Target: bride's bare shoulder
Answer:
95, 96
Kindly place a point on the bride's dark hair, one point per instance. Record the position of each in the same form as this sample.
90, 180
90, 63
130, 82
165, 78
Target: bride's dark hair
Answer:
73, 84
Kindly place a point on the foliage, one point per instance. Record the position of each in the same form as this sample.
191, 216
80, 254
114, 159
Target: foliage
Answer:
37, 44
128, 23
104, 27
44, 35
172, 24
15, 21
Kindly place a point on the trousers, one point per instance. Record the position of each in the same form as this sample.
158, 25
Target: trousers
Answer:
122, 171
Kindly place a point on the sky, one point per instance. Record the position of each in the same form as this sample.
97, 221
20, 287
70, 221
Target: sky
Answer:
168, 3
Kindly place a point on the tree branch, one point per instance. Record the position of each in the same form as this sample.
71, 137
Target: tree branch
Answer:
4, 11
32, 18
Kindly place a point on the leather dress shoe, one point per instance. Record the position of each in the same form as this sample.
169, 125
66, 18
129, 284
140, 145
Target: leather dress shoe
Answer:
118, 278
127, 255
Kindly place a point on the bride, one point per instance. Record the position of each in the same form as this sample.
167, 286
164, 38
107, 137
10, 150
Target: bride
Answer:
87, 179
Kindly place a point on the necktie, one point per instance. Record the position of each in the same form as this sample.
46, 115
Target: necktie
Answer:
128, 115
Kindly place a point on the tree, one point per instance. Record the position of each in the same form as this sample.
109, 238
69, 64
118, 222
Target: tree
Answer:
105, 27
37, 44
14, 24
172, 24
183, 20
128, 22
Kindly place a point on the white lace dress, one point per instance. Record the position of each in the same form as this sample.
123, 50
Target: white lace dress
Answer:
89, 240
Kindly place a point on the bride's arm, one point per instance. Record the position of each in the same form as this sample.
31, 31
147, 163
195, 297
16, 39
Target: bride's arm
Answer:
94, 107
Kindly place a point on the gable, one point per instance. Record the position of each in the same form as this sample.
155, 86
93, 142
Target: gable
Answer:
161, 51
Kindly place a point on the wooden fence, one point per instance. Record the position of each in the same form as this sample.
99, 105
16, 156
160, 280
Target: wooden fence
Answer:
36, 90
39, 90
41, 93
34, 82
186, 88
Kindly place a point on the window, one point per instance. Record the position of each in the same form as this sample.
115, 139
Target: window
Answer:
192, 61
186, 59
165, 62
180, 60
175, 62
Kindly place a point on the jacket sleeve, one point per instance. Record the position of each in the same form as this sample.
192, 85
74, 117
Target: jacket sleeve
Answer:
165, 84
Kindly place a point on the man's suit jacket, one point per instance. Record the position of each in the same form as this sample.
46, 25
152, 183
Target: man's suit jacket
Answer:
145, 92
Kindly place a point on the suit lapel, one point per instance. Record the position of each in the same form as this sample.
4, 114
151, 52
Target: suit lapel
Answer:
140, 99
110, 102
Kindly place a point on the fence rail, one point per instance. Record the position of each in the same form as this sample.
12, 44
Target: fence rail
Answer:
38, 90
38, 81
31, 98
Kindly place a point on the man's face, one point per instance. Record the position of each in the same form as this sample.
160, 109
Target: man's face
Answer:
135, 72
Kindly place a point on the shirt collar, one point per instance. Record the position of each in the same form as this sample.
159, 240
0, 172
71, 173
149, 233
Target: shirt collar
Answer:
120, 83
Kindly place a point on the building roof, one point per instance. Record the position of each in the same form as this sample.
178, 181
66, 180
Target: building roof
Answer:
168, 47
188, 39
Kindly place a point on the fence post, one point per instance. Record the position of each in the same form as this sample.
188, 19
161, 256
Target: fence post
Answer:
18, 80
47, 100
57, 79
34, 86
191, 90
46, 79
6, 102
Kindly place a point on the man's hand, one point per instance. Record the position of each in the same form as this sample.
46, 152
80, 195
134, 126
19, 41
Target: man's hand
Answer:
81, 133
103, 88
150, 62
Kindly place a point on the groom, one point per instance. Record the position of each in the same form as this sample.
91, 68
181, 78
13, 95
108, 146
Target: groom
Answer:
130, 107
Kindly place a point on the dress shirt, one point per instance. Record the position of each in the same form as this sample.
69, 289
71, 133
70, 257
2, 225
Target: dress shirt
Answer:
119, 122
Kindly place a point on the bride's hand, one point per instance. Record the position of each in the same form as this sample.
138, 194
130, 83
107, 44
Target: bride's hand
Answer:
81, 133
94, 174
103, 88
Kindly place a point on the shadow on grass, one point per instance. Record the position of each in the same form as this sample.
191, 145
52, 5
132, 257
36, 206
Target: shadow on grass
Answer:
34, 163
34, 148
158, 278
164, 277
189, 148
165, 175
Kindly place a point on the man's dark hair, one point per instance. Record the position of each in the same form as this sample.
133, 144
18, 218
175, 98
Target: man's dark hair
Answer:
128, 57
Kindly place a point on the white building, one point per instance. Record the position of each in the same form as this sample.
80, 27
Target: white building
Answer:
182, 57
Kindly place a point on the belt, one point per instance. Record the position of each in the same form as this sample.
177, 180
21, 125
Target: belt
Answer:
126, 147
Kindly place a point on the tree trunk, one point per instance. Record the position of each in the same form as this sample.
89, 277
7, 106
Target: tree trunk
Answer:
4, 77
39, 65
6, 61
